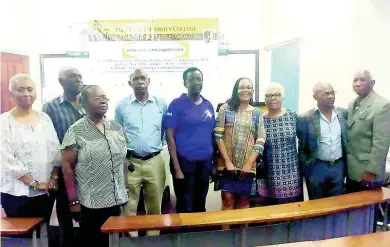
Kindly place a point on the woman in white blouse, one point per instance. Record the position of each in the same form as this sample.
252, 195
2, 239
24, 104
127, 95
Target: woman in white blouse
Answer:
29, 154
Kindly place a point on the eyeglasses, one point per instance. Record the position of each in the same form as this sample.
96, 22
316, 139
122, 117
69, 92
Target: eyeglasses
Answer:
102, 99
273, 95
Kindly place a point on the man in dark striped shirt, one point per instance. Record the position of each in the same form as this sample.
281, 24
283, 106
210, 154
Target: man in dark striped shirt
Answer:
65, 110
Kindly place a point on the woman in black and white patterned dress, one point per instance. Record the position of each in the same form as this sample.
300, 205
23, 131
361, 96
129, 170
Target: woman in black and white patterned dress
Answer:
94, 167
282, 182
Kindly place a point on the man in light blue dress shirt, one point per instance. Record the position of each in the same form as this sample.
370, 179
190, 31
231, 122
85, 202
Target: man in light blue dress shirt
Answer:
141, 115
321, 134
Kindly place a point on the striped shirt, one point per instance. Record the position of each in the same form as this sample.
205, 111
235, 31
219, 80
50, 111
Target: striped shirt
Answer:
62, 114
99, 170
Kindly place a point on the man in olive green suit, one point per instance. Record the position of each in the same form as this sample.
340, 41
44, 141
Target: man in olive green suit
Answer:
368, 135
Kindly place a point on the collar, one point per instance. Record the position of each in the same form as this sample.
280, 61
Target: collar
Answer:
335, 109
150, 98
90, 121
184, 96
62, 98
365, 99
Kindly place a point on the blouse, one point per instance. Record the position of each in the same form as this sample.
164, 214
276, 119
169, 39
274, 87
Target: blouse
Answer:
237, 131
99, 172
27, 150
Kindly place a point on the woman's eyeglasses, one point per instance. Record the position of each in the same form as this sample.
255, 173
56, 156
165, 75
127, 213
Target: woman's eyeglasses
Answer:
273, 96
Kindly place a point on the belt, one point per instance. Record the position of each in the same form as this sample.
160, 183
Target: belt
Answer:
146, 157
330, 162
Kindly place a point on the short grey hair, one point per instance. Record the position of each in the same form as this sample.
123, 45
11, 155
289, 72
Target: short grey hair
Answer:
275, 85
18, 77
63, 71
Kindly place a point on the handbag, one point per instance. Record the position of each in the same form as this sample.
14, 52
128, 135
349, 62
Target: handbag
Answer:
261, 168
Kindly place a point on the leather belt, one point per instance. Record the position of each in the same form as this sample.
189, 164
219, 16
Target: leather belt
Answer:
330, 162
146, 157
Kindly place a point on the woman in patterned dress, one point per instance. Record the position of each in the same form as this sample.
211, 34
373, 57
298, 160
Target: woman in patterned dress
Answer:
240, 138
282, 182
94, 166
29, 155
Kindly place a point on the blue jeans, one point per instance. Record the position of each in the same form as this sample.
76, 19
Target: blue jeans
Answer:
324, 179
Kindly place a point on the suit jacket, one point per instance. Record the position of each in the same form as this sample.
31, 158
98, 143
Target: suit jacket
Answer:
308, 131
368, 137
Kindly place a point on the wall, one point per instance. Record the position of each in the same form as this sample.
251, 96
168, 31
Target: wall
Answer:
337, 38
239, 23
17, 27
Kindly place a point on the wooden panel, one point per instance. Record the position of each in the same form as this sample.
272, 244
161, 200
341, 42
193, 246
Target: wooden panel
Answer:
16, 226
11, 64
380, 239
291, 211
135, 223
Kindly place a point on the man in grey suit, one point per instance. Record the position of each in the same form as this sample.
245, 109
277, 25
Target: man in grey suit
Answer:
368, 135
322, 137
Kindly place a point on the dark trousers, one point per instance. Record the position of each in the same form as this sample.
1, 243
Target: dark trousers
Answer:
23, 206
352, 186
91, 222
191, 192
324, 179
67, 234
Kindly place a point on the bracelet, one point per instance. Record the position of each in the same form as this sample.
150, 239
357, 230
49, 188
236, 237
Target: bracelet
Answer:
72, 203
54, 177
34, 182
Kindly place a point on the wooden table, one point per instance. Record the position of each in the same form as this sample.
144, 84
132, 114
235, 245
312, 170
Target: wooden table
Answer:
333, 217
380, 239
19, 226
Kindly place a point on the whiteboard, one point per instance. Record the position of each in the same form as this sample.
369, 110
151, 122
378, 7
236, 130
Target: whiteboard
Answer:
51, 64
219, 79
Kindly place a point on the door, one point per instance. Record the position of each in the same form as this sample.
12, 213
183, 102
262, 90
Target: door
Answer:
285, 68
11, 64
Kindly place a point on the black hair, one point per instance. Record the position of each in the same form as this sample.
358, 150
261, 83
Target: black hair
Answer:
192, 69
85, 92
234, 101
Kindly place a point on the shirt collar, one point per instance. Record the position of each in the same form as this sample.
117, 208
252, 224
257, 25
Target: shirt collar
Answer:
133, 98
335, 109
184, 96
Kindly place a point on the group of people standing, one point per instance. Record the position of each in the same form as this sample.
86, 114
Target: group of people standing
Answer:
95, 166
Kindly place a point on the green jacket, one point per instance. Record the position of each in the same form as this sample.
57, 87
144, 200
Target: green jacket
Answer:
368, 137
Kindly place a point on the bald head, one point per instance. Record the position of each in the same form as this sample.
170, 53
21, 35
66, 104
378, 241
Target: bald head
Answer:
324, 94
363, 83
320, 87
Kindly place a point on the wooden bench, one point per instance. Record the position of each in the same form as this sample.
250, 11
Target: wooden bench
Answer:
339, 216
20, 226
380, 239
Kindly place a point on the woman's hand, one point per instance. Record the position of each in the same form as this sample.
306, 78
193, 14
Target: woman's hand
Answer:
245, 170
52, 184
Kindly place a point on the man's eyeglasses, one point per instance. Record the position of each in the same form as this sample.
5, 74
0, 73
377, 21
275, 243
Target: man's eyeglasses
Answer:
101, 99
273, 95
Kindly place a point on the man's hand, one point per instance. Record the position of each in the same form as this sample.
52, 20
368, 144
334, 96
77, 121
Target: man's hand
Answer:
367, 179
179, 174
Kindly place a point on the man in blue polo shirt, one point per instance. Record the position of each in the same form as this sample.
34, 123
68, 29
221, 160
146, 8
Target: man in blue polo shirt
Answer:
190, 122
141, 116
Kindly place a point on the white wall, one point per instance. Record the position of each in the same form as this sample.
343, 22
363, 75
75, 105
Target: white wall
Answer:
337, 38
239, 22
